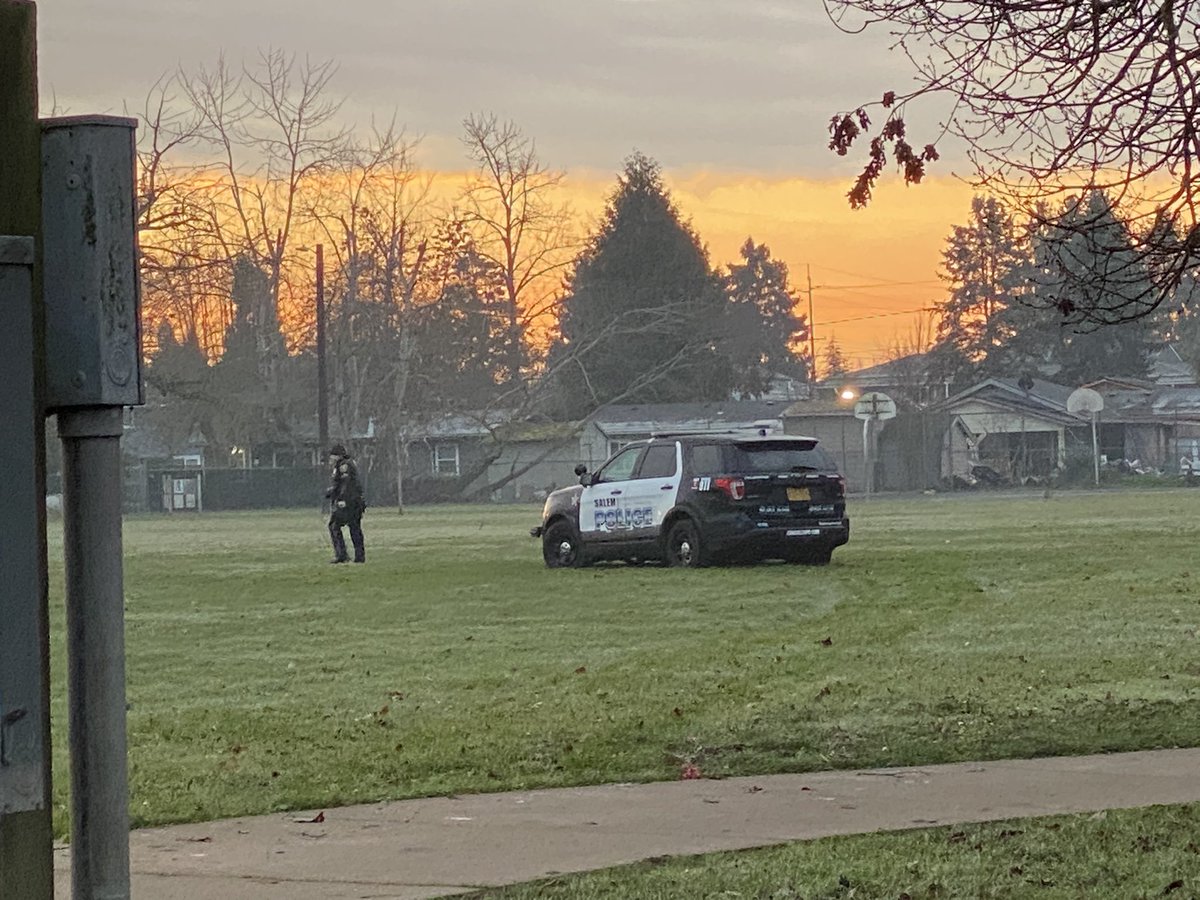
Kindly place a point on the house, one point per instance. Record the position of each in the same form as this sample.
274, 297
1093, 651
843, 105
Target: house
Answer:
1022, 431
1018, 430
461, 455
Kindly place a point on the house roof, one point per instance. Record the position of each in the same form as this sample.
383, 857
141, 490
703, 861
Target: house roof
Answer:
643, 418
819, 406
884, 374
1041, 393
1044, 398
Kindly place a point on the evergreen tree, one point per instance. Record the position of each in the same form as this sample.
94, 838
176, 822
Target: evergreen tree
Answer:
251, 375
1085, 259
985, 265
765, 335
180, 392
467, 329
835, 362
643, 309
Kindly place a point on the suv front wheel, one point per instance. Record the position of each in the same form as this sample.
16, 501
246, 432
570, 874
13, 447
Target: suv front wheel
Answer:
560, 547
683, 545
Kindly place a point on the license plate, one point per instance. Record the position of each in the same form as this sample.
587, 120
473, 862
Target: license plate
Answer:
803, 532
795, 493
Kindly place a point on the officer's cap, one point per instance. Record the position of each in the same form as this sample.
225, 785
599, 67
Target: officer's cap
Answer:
338, 450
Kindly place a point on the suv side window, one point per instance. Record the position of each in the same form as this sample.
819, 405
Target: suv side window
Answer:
620, 467
659, 461
706, 459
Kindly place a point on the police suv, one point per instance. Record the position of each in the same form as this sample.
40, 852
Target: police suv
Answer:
694, 499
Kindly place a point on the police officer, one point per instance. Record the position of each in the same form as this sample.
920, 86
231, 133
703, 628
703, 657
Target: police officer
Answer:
345, 505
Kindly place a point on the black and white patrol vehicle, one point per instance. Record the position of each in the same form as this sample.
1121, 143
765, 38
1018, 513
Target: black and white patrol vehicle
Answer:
694, 499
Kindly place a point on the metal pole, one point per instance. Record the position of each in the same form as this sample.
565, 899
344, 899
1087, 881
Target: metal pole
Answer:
95, 652
322, 395
867, 455
1095, 449
845, 464
26, 835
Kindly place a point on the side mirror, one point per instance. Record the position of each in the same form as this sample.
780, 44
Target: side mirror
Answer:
585, 479
580, 469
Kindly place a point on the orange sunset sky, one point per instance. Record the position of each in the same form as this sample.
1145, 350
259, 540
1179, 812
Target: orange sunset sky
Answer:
731, 97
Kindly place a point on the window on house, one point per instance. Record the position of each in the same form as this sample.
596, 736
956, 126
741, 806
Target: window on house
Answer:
445, 460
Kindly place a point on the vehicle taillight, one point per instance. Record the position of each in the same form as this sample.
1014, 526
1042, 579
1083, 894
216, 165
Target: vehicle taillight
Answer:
841, 486
734, 487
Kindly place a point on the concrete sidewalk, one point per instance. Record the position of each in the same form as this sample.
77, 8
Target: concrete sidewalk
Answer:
447, 845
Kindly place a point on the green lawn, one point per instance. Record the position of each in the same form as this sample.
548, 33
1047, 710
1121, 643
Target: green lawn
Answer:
261, 678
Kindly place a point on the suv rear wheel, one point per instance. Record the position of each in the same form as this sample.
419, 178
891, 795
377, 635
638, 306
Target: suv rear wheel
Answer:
683, 545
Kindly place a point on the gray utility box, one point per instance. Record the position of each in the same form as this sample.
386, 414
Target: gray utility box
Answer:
90, 262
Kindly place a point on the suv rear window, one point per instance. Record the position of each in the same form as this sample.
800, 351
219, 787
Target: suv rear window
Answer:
781, 456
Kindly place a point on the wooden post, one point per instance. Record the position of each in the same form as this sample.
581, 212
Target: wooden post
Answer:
26, 837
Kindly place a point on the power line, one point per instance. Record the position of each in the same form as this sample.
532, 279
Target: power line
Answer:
902, 312
882, 281
820, 287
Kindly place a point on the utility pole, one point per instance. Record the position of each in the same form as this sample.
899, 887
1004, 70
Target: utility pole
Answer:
322, 388
812, 325
26, 835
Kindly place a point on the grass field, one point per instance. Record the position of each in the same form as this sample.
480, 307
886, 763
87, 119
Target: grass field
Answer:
262, 679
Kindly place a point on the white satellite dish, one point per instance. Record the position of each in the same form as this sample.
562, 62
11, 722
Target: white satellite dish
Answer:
1084, 400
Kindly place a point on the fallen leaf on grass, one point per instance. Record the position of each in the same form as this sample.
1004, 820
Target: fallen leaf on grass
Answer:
690, 772
826, 642
319, 817
1173, 886
581, 670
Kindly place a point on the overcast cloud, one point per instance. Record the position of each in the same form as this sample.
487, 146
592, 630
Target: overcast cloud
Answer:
724, 84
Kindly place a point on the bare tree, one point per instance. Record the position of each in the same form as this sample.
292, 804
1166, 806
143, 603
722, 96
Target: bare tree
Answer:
271, 129
1053, 98
371, 214
181, 284
519, 225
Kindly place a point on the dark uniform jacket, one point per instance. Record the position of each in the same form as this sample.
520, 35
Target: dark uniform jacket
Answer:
346, 489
